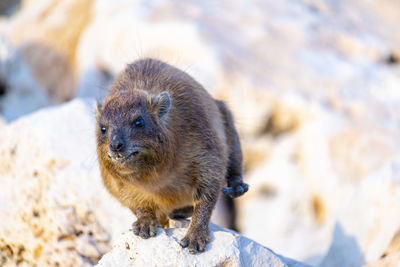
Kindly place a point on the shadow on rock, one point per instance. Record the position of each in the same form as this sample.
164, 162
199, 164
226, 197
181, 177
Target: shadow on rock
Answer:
344, 250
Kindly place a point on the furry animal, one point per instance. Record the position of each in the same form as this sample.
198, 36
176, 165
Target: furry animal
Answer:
166, 148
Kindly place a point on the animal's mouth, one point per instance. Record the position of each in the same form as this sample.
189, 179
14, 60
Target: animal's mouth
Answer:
120, 158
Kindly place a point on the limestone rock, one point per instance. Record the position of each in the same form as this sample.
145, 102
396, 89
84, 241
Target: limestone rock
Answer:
392, 260
53, 206
366, 226
227, 248
315, 182
394, 245
134, 31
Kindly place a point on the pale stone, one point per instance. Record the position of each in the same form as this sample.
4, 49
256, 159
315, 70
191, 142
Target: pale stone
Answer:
53, 205
366, 226
311, 177
226, 248
392, 260
132, 33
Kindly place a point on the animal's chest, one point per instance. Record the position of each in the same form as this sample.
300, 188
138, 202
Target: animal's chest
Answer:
167, 199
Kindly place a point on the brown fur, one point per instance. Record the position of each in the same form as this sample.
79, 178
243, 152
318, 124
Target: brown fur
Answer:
182, 156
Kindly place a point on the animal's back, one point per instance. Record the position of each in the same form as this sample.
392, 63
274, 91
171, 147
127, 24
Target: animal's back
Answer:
195, 117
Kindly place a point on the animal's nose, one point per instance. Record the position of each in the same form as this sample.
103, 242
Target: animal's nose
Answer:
117, 145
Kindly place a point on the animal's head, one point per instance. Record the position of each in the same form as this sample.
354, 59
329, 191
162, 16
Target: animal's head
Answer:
132, 132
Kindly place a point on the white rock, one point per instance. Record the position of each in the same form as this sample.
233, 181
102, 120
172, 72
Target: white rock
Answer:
310, 181
133, 31
53, 205
226, 248
392, 260
366, 226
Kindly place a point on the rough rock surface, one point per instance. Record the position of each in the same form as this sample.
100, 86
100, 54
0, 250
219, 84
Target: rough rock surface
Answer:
323, 174
227, 248
54, 208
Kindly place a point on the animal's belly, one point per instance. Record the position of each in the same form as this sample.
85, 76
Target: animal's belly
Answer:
169, 201
164, 200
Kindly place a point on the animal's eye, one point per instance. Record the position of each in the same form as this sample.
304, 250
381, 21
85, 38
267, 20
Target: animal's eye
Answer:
103, 129
139, 122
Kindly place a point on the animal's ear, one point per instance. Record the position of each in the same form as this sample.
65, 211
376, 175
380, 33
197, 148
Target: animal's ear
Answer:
97, 109
161, 103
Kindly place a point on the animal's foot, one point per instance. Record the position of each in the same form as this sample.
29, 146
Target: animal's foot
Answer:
145, 227
235, 188
195, 241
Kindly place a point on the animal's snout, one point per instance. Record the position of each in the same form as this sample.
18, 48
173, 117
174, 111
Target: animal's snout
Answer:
117, 144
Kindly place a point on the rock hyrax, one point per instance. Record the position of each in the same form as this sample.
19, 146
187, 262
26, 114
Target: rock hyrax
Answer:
166, 148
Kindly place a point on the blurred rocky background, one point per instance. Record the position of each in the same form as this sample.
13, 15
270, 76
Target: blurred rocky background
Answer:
314, 87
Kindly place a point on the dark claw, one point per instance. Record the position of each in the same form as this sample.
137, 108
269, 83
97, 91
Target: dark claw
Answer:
239, 190
199, 248
196, 241
184, 242
144, 235
227, 190
245, 187
153, 233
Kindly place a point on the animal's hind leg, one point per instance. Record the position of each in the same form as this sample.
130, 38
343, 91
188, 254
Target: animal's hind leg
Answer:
236, 187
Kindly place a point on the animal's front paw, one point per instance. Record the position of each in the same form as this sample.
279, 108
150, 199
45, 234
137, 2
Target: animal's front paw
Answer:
195, 241
145, 227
